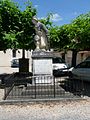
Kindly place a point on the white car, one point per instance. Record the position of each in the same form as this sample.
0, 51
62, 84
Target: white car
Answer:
59, 66
81, 71
15, 62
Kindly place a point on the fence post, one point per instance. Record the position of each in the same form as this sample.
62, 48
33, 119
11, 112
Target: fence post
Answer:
82, 89
4, 97
6, 92
54, 86
35, 86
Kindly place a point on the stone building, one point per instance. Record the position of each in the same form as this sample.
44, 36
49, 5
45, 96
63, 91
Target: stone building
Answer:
6, 58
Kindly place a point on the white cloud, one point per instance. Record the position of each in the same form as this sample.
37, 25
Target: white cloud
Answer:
39, 18
36, 6
75, 13
56, 17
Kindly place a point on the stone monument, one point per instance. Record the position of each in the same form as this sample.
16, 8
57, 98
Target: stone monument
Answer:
41, 56
41, 37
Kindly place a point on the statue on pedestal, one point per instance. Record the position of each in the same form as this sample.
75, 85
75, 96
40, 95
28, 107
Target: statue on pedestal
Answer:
41, 37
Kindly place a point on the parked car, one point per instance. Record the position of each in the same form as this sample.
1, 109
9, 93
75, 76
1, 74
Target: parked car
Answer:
88, 58
81, 71
15, 62
60, 68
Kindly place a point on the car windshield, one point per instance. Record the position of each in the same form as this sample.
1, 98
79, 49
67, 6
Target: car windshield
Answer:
85, 64
58, 60
88, 58
15, 60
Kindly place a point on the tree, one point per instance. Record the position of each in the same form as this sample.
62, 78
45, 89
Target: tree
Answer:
59, 38
79, 35
47, 21
9, 15
74, 36
16, 29
26, 32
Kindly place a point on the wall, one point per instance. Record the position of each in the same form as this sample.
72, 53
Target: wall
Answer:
5, 58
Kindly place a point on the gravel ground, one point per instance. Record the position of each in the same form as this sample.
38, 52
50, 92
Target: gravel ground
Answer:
62, 110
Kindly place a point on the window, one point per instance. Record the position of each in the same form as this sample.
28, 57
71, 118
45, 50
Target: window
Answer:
85, 64
14, 53
58, 60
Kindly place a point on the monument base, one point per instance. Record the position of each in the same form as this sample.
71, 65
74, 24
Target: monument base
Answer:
42, 80
42, 63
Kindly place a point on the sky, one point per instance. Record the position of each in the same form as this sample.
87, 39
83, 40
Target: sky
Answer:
64, 11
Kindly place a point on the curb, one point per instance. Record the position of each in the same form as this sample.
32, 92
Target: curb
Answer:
13, 102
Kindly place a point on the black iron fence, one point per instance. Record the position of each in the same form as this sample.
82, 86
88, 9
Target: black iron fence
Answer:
44, 87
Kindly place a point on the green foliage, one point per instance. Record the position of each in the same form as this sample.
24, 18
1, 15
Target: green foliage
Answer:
9, 17
9, 14
16, 28
79, 32
54, 39
59, 37
73, 36
26, 34
47, 21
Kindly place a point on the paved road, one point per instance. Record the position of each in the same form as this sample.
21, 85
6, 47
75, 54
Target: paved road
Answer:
63, 110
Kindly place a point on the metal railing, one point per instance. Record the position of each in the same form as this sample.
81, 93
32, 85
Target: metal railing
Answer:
44, 87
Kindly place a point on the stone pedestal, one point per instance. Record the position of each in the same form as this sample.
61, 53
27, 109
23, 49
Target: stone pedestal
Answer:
42, 63
24, 65
42, 67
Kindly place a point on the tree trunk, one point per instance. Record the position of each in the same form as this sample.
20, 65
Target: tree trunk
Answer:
23, 53
63, 56
74, 57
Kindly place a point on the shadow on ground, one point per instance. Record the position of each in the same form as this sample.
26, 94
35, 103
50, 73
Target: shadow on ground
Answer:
78, 87
8, 79
69, 85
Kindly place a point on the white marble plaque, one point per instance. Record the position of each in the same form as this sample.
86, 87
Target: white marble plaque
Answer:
42, 66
